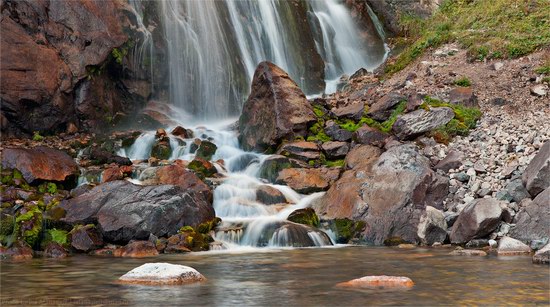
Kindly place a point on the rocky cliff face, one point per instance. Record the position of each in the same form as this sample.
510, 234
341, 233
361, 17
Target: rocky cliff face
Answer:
390, 11
62, 65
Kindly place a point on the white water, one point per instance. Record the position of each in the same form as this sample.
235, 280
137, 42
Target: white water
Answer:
245, 221
214, 47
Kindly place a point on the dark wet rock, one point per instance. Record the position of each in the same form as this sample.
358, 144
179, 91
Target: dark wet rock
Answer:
517, 191
182, 132
463, 96
453, 160
116, 173
352, 111
432, 227
81, 189
139, 249
101, 156
40, 163
206, 150
388, 193
477, 243
125, 211
85, 238
301, 150
533, 220
536, 176
542, 256
55, 250
177, 244
413, 124
335, 150
162, 149
20, 250
382, 109
370, 136
292, 234
306, 216
476, 220
304, 180
272, 166
450, 218
268, 195
510, 246
336, 133
345, 229
276, 110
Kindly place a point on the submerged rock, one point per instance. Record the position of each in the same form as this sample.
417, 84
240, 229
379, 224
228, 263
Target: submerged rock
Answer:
125, 211
162, 274
377, 282
276, 110
468, 252
40, 163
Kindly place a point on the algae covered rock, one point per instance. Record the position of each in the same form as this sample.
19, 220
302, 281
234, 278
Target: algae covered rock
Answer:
306, 216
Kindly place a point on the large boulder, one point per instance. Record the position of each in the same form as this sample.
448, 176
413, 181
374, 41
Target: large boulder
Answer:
125, 211
536, 176
413, 124
533, 220
476, 220
40, 163
389, 193
276, 110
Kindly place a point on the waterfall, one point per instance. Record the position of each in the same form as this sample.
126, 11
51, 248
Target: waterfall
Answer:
214, 46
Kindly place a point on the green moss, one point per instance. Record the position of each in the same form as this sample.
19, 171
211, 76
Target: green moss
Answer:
317, 133
206, 227
385, 126
464, 120
545, 68
306, 216
464, 82
335, 163
319, 111
17, 174
346, 229
394, 241
56, 235
206, 150
37, 137
488, 29
200, 168
161, 150
30, 224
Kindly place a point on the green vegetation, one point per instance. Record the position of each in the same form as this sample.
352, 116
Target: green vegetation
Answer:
346, 229
57, 236
37, 137
198, 238
306, 216
335, 163
385, 126
488, 29
464, 82
464, 120
545, 68
318, 133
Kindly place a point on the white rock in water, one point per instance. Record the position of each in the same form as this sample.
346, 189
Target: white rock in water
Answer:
162, 274
511, 246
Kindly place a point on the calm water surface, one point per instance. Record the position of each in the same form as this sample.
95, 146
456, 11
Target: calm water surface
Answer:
298, 277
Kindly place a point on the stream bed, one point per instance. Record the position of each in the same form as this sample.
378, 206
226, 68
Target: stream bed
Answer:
283, 277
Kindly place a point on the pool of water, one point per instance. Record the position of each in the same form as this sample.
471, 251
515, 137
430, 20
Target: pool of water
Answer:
290, 277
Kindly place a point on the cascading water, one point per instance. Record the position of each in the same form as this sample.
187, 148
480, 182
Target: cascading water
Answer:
246, 222
214, 47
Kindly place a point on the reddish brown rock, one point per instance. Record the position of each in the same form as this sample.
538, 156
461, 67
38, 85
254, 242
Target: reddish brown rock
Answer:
18, 251
275, 110
268, 195
182, 132
182, 177
352, 111
370, 136
178, 244
381, 281
301, 150
304, 180
139, 249
464, 96
40, 163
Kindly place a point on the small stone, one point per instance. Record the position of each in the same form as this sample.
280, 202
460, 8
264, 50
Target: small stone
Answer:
492, 243
509, 246
538, 90
462, 177
543, 255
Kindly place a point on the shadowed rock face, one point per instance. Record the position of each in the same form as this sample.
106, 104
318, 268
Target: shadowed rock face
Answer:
388, 192
40, 163
125, 211
533, 220
536, 176
275, 110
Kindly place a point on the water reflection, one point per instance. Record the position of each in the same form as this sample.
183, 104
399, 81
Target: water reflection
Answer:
285, 277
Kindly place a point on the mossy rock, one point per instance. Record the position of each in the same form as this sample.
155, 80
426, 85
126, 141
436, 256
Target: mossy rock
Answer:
29, 224
346, 229
7, 224
202, 168
395, 241
206, 150
306, 216
272, 166
192, 238
161, 150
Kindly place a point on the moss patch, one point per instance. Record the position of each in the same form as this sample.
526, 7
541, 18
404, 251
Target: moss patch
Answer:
346, 229
464, 120
306, 216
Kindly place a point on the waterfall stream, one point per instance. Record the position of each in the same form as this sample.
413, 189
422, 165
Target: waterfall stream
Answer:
213, 47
